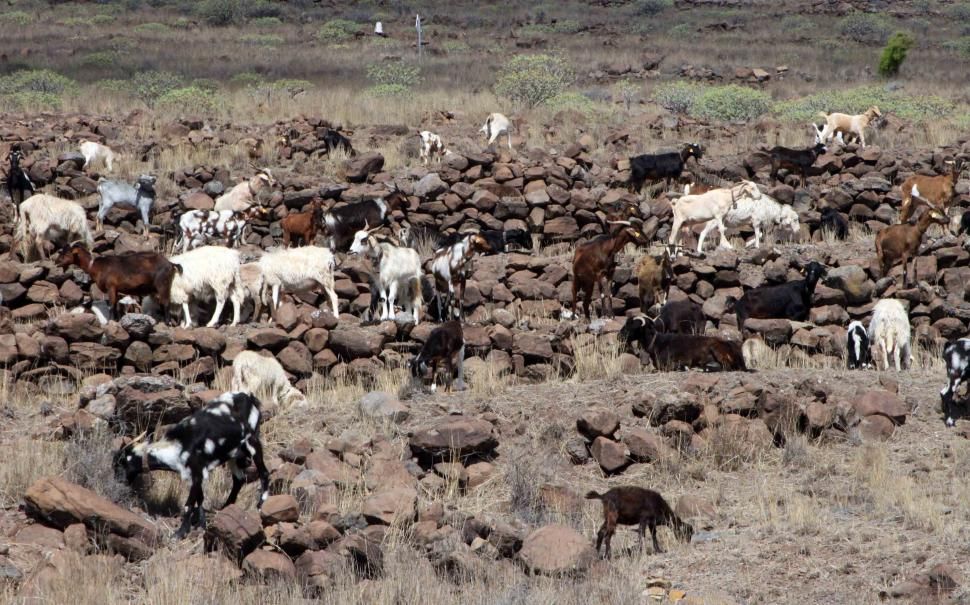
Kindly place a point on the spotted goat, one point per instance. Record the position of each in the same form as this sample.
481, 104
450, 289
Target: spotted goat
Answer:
450, 267
199, 227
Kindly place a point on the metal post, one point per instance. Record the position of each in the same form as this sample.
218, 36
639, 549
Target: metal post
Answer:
417, 26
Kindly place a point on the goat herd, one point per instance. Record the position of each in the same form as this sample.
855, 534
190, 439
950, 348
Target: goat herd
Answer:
226, 431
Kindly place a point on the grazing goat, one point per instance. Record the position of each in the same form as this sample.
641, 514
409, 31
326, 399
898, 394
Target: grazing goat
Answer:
697, 188
858, 355
251, 146
333, 139
956, 356
937, 192
343, 223
818, 134
681, 351
96, 152
710, 206
252, 286
763, 213
665, 166
302, 226
889, 332
786, 301
263, 376
45, 218
496, 124
964, 223
19, 185
594, 263
431, 147
117, 193
854, 124
450, 267
398, 268
833, 221
225, 431
498, 241
208, 272
681, 317
901, 242
632, 505
654, 276
445, 345
296, 270
792, 160
200, 227
136, 273
246, 193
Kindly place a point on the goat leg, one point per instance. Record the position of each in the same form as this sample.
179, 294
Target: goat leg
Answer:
653, 534
192, 503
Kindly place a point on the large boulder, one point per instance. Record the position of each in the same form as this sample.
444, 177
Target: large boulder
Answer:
454, 436
380, 404
556, 549
268, 565
881, 402
236, 531
352, 343
388, 506
358, 169
596, 422
145, 401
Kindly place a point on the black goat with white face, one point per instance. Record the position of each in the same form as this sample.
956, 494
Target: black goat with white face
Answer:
18, 183
858, 353
956, 356
225, 431
445, 345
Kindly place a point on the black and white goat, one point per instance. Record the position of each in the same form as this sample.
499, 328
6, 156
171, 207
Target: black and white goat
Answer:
498, 240
199, 227
19, 185
956, 356
792, 300
445, 344
858, 354
450, 267
118, 193
225, 431
343, 223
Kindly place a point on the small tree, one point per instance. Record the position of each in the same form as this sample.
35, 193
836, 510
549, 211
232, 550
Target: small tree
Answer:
894, 54
626, 91
534, 79
150, 85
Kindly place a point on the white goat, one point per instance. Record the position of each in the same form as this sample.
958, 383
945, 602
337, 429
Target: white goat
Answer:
818, 135
252, 286
263, 376
431, 147
299, 269
208, 272
244, 194
496, 124
762, 213
854, 124
889, 332
709, 206
94, 152
46, 218
398, 269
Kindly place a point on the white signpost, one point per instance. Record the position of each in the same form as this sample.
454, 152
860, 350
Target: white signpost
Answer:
417, 26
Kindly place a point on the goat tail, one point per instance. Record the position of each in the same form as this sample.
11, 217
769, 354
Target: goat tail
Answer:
177, 267
593, 495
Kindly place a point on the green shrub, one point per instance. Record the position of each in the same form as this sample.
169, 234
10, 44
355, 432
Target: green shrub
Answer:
101, 59
36, 80
337, 30
262, 39
395, 73
115, 86
677, 97
32, 101
190, 98
182, 23
731, 103
571, 100
959, 12
150, 86
16, 18
650, 8
76, 21
266, 22
220, 13
535, 29
961, 45
865, 28
567, 26
387, 90
102, 19
626, 91
261, 9
534, 79
247, 79
291, 87
455, 46
798, 26
857, 100
151, 28
894, 54
206, 84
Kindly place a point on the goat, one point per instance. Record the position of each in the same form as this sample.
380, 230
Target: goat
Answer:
654, 277
848, 124
19, 185
901, 242
450, 267
136, 274
398, 269
675, 351
46, 218
889, 332
252, 286
95, 152
298, 269
431, 147
964, 223
858, 355
263, 376
225, 431
631, 505
199, 227
498, 240
792, 300
251, 146
246, 193
696, 188
763, 212
333, 139
208, 272
937, 192
117, 193
496, 124
681, 317
659, 166
794, 159
833, 221
956, 356
594, 263
302, 226
710, 206
445, 344
342, 223
818, 134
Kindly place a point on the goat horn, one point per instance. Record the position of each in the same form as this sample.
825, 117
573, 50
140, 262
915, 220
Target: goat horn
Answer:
627, 223
139, 437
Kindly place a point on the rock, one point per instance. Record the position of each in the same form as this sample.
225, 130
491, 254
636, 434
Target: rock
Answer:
320, 568
430, 185
380, 404
365, 554
358, 169
352, 343
236, 531
610, 455
881, 402
77, 326
876, 428
280, 509
556, 549
775, 332
453, 436
266, 565
852, 280
689, 506
273, 339
138, 325
645, 446
145, 401
597, 423
396, 504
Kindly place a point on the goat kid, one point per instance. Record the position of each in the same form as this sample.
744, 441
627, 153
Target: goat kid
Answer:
19, 185
937, 192
858, 355
495, 125
201, 227
792, 300
900, 243
450, 267
96, 152
956, 356
445, 345
398, 268
246, 193
645, 508
431, 147
848, 124
343, 222
654, 276
594, 263
116, 193
302, 226
661, 166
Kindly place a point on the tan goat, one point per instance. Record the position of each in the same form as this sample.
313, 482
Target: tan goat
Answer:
934, 191
846, 124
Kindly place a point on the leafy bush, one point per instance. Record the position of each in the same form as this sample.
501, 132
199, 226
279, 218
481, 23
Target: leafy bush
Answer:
798, 26
220, 13
677, 97
190, 98
961, 45
247, 79
534, 79
894, 54
16, 18
101, 59
102, 19
571, 100
566, 26
262, 39
626, 91
650, 8
206, 84
396, 73
387, 90
116, 86
76, 21
730, 103
151, 28
36, 80
535, 29
960, 12
455, 46
261, 9
31, 101
291, 86
337, 30
681, 30
857, 100
865, 28
150, 86
266, 22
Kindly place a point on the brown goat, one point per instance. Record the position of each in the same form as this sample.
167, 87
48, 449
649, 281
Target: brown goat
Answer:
934, 191
654, 277
136, 274
632, 505
595, 261
901, 242
303, 225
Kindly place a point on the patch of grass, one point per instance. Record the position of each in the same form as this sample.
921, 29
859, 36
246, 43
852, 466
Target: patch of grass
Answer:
865, 28
101, 59
337, 31
266, 22
152, 28
189, 98
262, 39
731, 103
18, 18
857, 100
88, 462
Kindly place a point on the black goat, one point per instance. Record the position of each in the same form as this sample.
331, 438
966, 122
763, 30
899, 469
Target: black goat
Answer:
964, 223
498, 240
659, 166
632, 505
445, 344
18, 183
226, 430
334, 139
832, 220
677, 351
858, 354
786, 301
343, 222
681, 317
791, 159
956, 356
